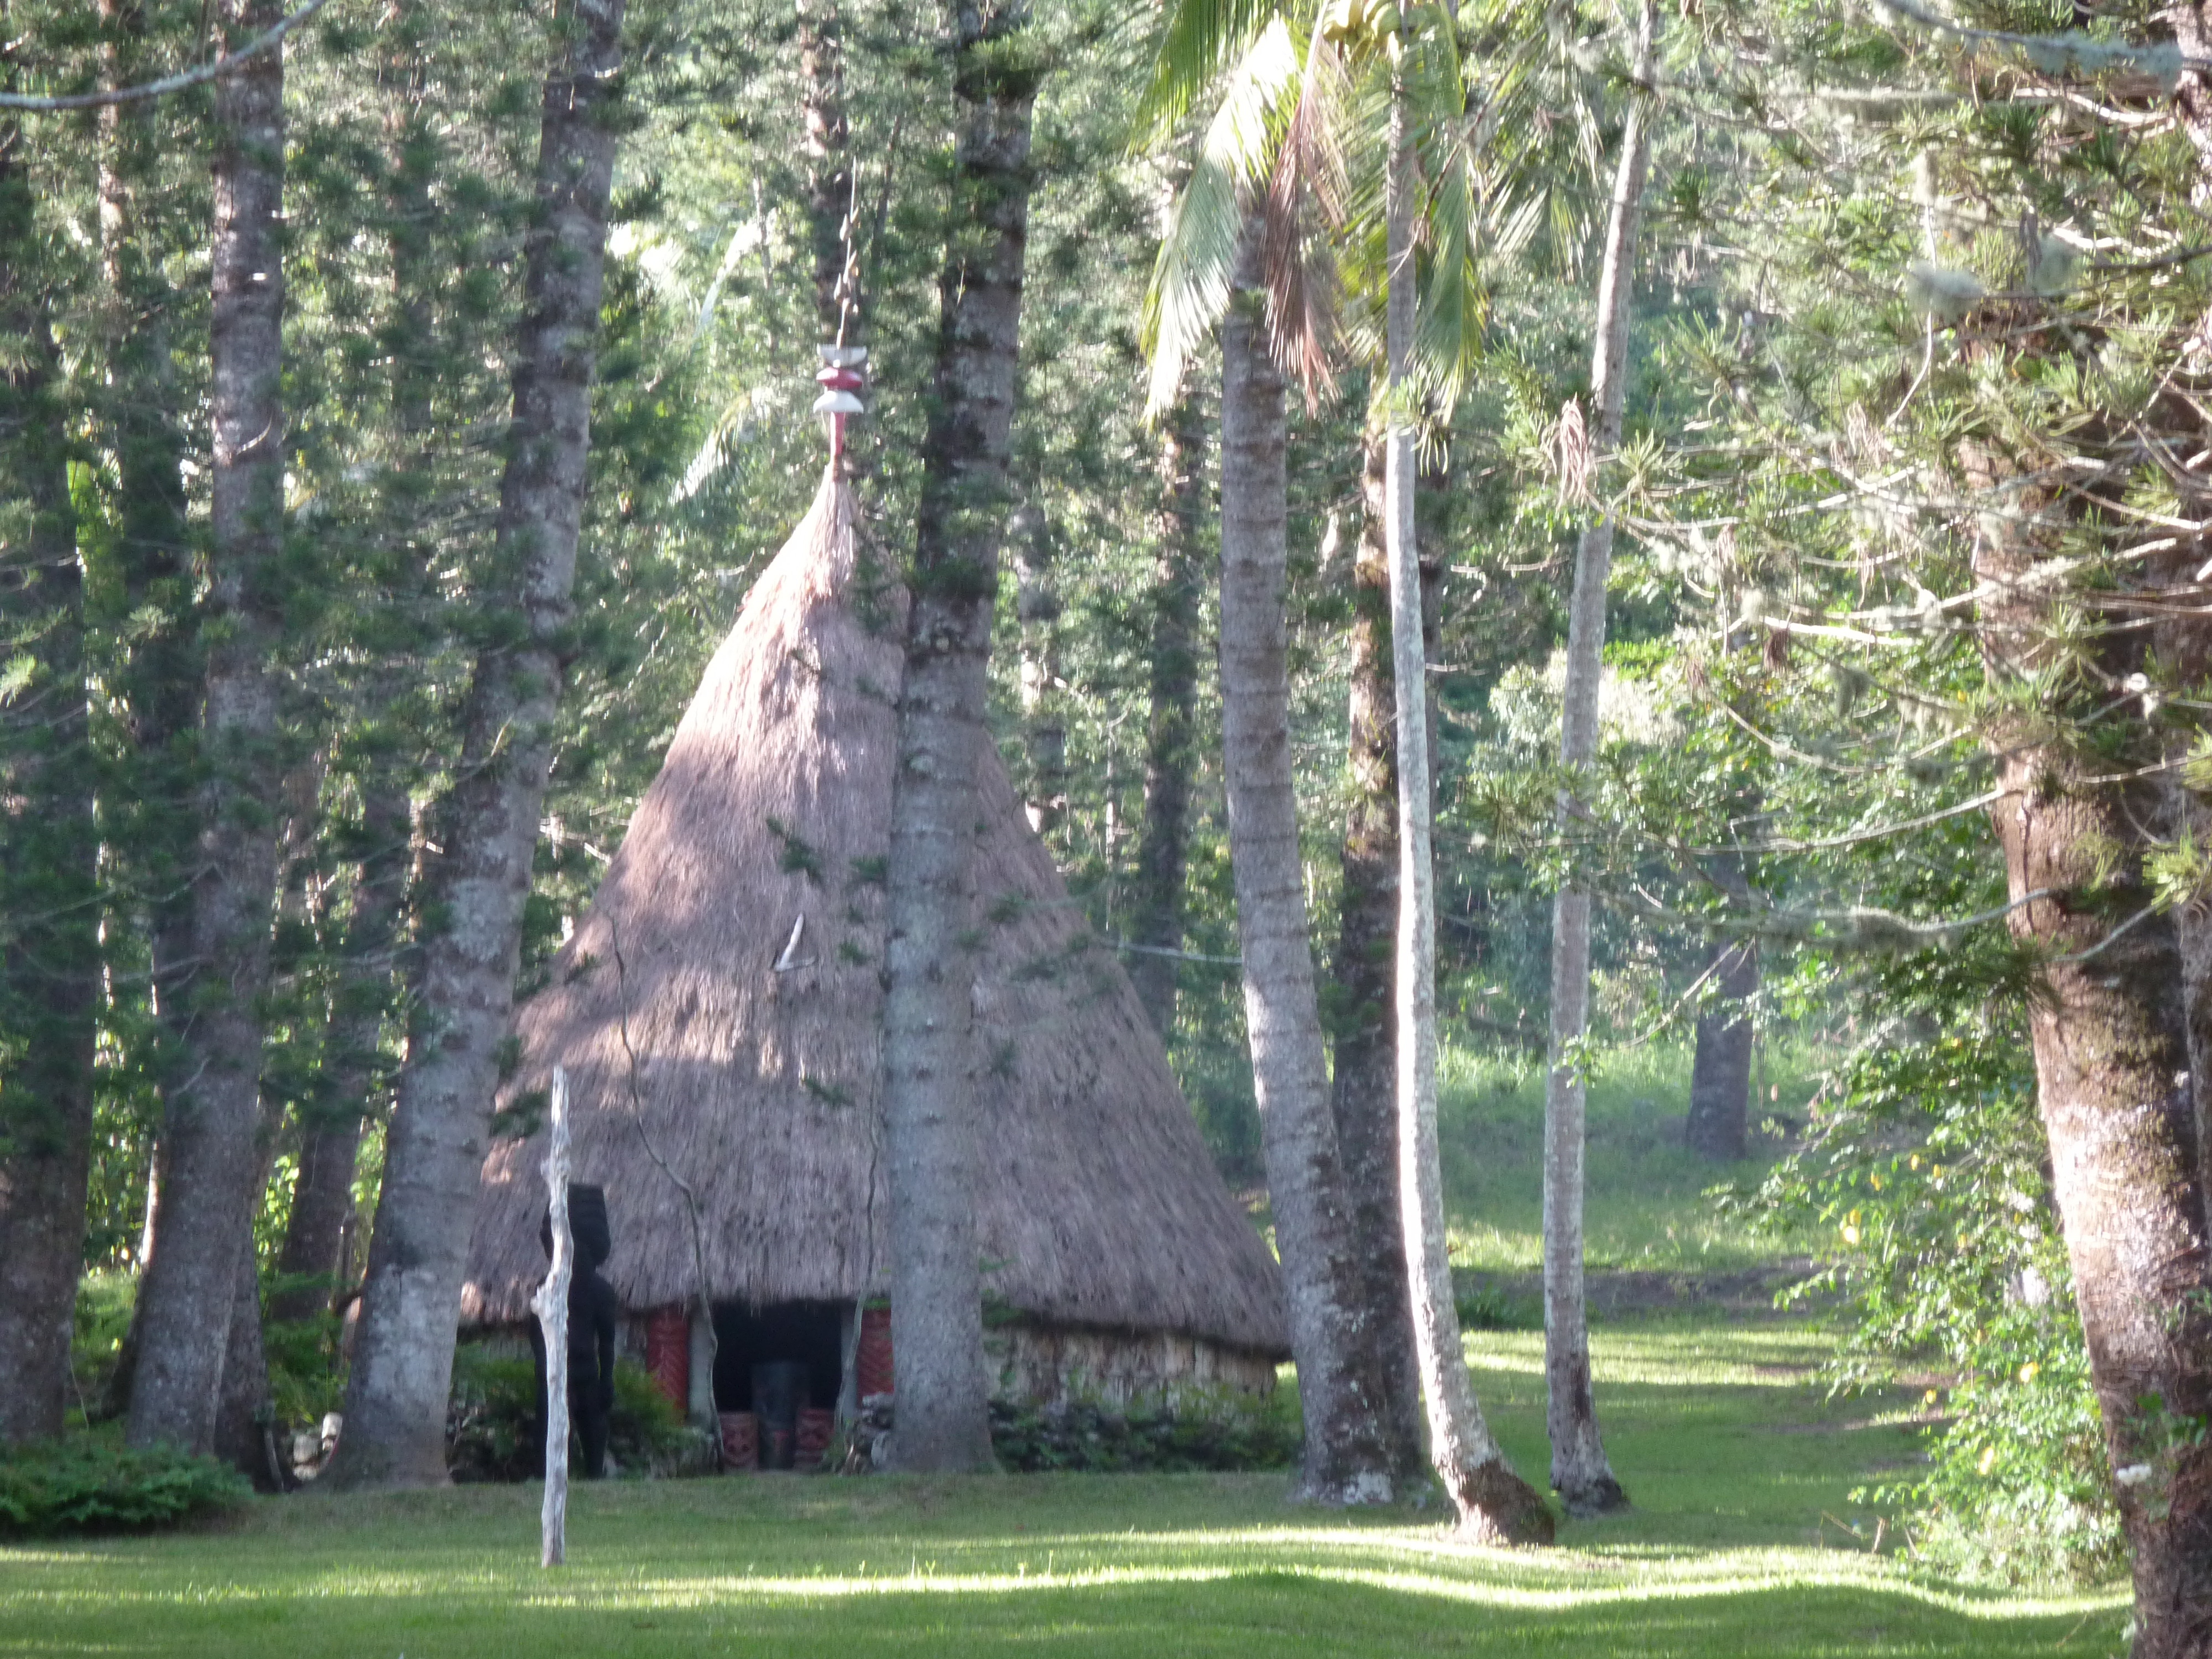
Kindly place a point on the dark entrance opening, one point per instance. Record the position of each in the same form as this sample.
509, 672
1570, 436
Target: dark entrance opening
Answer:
810, 1334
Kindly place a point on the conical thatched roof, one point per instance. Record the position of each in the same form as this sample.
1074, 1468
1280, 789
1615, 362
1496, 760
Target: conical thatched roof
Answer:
1097, 1204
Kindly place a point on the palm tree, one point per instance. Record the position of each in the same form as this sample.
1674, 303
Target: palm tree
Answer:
1210, 272
1580, 1473
1290, 103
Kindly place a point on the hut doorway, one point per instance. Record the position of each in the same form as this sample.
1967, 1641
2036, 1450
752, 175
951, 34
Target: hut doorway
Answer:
808, 1334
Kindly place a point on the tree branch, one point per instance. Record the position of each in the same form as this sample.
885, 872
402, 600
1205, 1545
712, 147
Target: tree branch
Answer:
265, 41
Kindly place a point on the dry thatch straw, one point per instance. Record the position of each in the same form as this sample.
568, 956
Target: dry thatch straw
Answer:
1097, 1204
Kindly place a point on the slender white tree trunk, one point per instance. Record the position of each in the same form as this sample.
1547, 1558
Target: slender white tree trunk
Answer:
1494, 1503
551, 1304
1580, 1473
1346, 1460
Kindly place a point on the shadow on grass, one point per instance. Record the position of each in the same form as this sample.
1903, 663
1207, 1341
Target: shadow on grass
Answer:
1141, 1567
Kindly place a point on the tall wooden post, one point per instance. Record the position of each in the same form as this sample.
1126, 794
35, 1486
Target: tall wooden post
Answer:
551, 1306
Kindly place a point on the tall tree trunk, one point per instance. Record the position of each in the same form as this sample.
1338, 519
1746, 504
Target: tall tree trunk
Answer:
2110, 1039
322, 1197
158, 682
827, 148
1163, 838
1494, 1503
1580, 1473
937, 1328
487, 826
50, 964
1720, 1072
1363, 1090
318, 1230
1044, 710
245, 1428
191, 1287
1346, 1460
161, 683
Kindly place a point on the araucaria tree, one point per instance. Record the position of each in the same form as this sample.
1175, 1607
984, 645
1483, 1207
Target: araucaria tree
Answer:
49, 954
930, 1072
213, 1167
477, 884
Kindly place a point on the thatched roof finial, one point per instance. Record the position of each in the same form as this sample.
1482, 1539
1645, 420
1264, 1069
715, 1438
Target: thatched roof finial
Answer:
842, 376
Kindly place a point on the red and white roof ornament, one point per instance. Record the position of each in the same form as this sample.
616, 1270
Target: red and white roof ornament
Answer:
844, 376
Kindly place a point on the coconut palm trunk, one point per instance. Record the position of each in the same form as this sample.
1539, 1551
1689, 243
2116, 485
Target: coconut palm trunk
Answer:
1163, 840
1364, 1086
1346, 1460
487, 828
929, 1072
1493, 1503
210, 1178
49, 966
1580, 1473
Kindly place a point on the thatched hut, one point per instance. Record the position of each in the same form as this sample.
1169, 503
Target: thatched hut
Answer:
718, 1010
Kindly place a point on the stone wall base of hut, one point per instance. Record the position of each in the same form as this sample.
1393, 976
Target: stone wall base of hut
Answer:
1056, 1365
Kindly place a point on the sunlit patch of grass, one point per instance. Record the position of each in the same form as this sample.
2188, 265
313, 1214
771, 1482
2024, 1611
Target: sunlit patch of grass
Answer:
1136, 1566
1742, 1540
1646, 1208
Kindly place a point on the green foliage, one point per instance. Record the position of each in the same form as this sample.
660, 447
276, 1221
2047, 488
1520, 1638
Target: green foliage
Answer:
1218, 1434
89, 1484
104, 1301
492, 1416
1926, 1188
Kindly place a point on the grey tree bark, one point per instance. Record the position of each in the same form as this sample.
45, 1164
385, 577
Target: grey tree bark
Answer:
826, 144
1045, 712
158, 686
160, 683
245, 1432
937, 1327
2110, 1030
1346, 1458
318, 1235
1720, 1071
50, 968
209, 1179
1164, 838
487, 826
1580, 1472
316, 1231
1493, 1503
1363, 1089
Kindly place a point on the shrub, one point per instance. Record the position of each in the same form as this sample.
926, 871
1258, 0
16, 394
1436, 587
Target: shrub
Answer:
491, 1419
1229, 1432
81, 1483
1925, 1188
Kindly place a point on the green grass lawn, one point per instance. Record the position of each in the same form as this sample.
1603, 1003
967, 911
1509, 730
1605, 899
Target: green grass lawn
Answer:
1645, 1206
1742, 1541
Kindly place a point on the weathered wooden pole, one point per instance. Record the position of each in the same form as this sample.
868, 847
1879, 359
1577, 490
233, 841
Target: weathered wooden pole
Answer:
551, 1306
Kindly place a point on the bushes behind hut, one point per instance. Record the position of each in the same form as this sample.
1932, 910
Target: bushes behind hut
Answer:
491, 1416
1226, 1434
